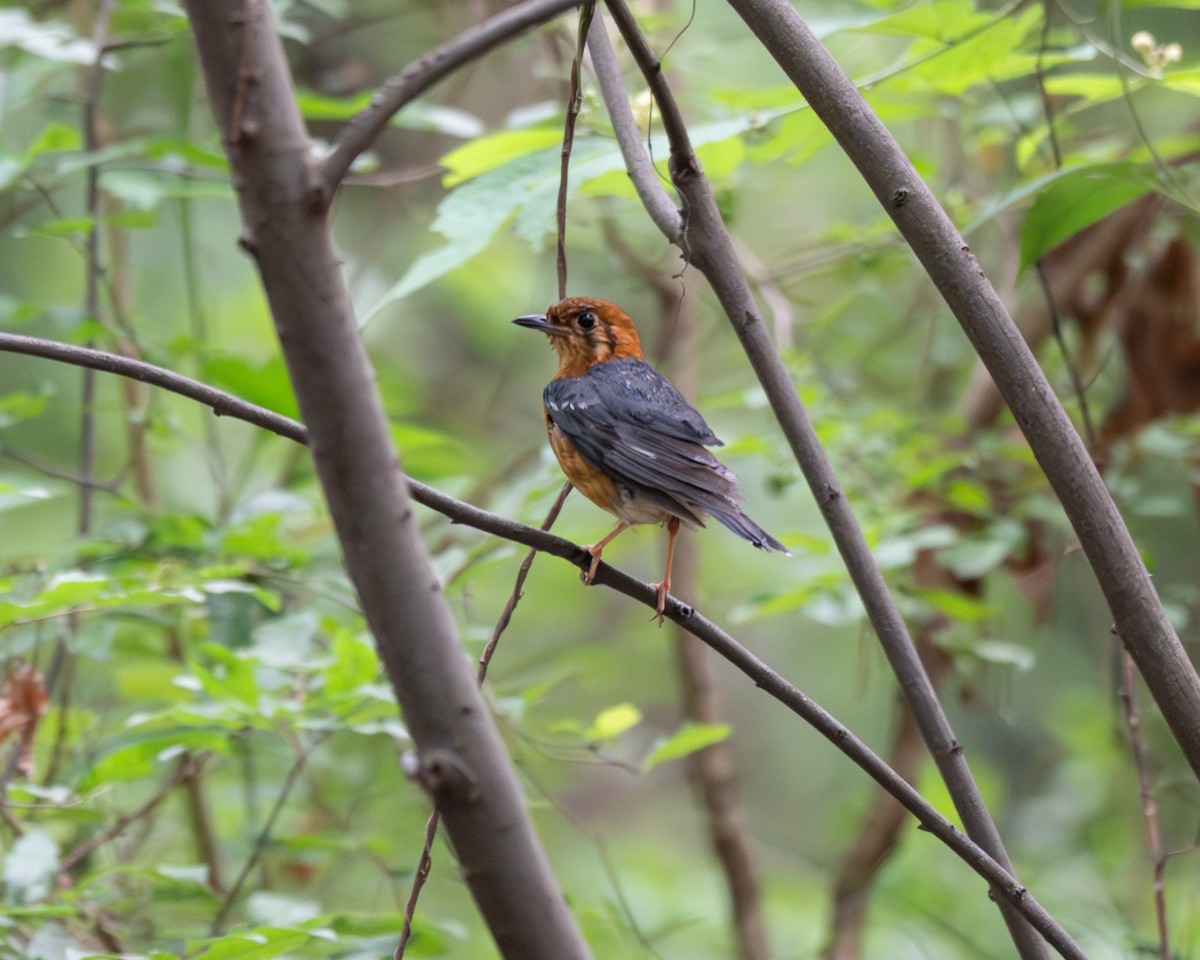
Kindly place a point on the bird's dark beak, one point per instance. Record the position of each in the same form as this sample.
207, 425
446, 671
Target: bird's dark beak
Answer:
538, 321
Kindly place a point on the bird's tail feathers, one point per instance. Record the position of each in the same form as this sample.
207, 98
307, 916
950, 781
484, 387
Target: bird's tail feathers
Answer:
747, 529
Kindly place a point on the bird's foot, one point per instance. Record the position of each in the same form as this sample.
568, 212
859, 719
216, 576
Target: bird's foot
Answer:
661, 589
588, 576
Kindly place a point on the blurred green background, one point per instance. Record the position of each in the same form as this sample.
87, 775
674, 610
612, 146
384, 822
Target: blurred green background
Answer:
200, 632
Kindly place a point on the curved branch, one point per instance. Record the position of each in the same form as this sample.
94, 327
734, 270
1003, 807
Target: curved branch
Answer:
710, 248
658, 204
687, 617
422, 74
227, 405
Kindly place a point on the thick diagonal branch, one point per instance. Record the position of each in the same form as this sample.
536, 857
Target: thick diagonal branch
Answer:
696, 624
1140, 619
710, 248
460, 758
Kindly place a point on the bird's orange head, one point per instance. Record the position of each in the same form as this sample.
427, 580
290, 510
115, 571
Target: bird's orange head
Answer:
585, 331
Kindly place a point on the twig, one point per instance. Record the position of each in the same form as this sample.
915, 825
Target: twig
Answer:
121, 824
879, 831
710, 248
1048, 7
91, 296
606, 575
660, 207
1141, 621
1141, 761
264, 837
514, 597
574, 99
1099, 249
712, 770
420, 75
877, 836
425, 864
1085, 410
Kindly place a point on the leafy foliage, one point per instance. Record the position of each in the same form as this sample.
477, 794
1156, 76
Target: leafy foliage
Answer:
214, 772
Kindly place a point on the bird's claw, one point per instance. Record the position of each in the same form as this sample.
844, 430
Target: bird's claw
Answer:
660, 609
588, 576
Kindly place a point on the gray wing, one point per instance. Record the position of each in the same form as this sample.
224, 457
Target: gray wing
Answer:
626, 419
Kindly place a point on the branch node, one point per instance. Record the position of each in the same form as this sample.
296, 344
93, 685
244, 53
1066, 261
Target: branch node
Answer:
442, 773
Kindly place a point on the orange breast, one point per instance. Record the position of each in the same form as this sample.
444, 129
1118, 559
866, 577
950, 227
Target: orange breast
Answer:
592, 482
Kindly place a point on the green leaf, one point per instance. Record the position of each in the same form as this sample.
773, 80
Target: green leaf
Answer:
1185, 81
55, 137
65, 227
355, 663
471, 215
141, 753
614, 721
687, 739
957, 606
192, 874
1005, 654
318, 106
1076, 199
495, 150
942, 20
280, 909
230, 677
972, 557
262, 943
489, 193
13, 496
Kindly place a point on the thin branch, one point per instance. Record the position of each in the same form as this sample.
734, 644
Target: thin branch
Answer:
699, 626
264, 837
91, 296
425, 864
1056, 327
1141, 760
658, 205
182, 770
1048, 7
419, 76
709, 246
574, 99
713, 770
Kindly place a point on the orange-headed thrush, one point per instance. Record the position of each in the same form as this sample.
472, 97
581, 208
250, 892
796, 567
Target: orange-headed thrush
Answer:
626, 438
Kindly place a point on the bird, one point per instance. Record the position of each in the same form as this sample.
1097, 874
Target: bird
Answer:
627, 439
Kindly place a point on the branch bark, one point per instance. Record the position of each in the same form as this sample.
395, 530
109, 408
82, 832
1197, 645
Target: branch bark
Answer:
708, 245
419, 76
460, 759
694, 622
1140, 619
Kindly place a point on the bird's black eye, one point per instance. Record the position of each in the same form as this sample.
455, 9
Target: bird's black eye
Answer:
586, 320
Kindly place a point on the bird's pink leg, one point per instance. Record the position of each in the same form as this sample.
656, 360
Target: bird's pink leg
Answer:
664, 587
597, 548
